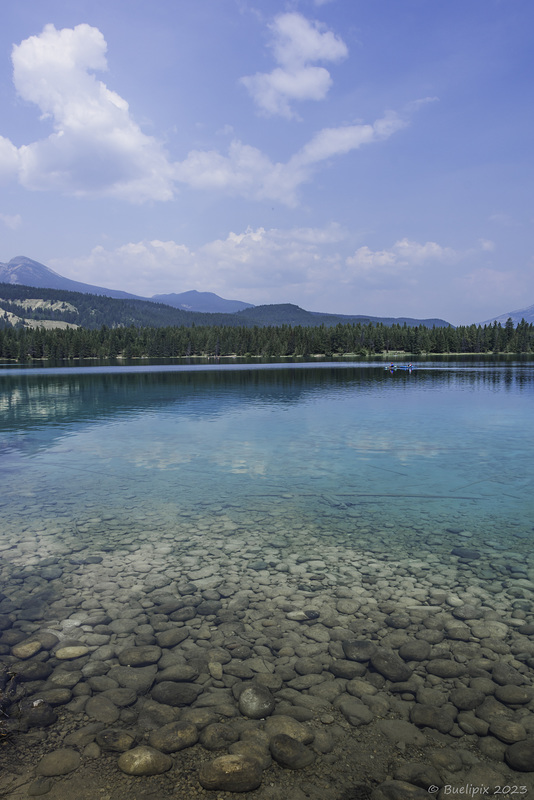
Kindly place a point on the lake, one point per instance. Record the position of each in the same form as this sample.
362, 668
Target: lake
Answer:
245, 522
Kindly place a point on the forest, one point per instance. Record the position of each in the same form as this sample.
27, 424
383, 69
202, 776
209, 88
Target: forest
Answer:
23, 344
92, 311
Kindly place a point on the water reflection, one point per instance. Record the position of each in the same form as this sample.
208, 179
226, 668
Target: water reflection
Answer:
29, 398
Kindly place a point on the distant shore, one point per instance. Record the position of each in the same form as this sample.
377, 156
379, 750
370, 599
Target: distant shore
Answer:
386, 356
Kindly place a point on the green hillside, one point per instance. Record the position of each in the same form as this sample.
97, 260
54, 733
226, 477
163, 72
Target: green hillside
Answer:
91, 311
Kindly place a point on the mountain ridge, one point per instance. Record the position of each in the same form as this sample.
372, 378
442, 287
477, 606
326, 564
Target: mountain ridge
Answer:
516, 316
200, 301
36, 274
39, 276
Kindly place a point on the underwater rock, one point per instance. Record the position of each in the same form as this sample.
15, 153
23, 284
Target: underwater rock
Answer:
231, 773
60, 762
144, 761
289, 752
174, 737
256, 702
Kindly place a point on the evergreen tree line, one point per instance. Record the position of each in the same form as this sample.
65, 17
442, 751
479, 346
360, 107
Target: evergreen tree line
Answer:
276, 341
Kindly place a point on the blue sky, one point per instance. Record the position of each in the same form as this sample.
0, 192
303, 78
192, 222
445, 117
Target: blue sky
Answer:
345, 155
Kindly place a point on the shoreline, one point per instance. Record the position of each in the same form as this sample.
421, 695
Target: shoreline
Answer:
386, 356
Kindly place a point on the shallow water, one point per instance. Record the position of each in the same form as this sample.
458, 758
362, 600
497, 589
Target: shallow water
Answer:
442, 446
289, 509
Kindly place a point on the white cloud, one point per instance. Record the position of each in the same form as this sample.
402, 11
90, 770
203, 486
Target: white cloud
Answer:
366, 260
339, 141
12, 221
248, 172
9, 159
298, 41
96, 146
415, 253
242, 172
297, 44
307, 266
272, 91
261, 263
401, 259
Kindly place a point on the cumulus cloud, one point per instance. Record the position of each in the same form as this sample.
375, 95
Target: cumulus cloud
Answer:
96, 145
262, 263
297, 44
242, 171
9, 159
12, 221
97, 148
416, 253
309, 266
366, 260
399, 260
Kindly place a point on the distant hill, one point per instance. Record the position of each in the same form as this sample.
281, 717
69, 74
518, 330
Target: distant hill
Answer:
186, 308
289, 314
516, 316
201, 301
24, 271
22, 305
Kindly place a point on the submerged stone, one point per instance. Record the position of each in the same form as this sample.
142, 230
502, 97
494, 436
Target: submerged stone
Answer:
256, 702
171, 693
144, 761
69, 653
115, 739
231, 773
360, 650
289, 752
390, 665
174, 737
139, 656
280, 723
60, 762
26, 649
520, 756
431, 717
466, 553
217, 736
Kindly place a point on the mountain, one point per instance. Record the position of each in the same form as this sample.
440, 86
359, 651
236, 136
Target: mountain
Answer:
23, 271
25, 305
289, 314
523, 313
187, 308
201, 301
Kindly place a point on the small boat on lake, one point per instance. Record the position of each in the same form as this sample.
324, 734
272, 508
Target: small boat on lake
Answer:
394, 367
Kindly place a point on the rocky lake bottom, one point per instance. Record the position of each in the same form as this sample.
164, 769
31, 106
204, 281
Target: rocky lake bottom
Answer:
229, 649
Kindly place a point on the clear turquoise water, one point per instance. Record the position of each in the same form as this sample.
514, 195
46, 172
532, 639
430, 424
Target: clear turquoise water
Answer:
344, 450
